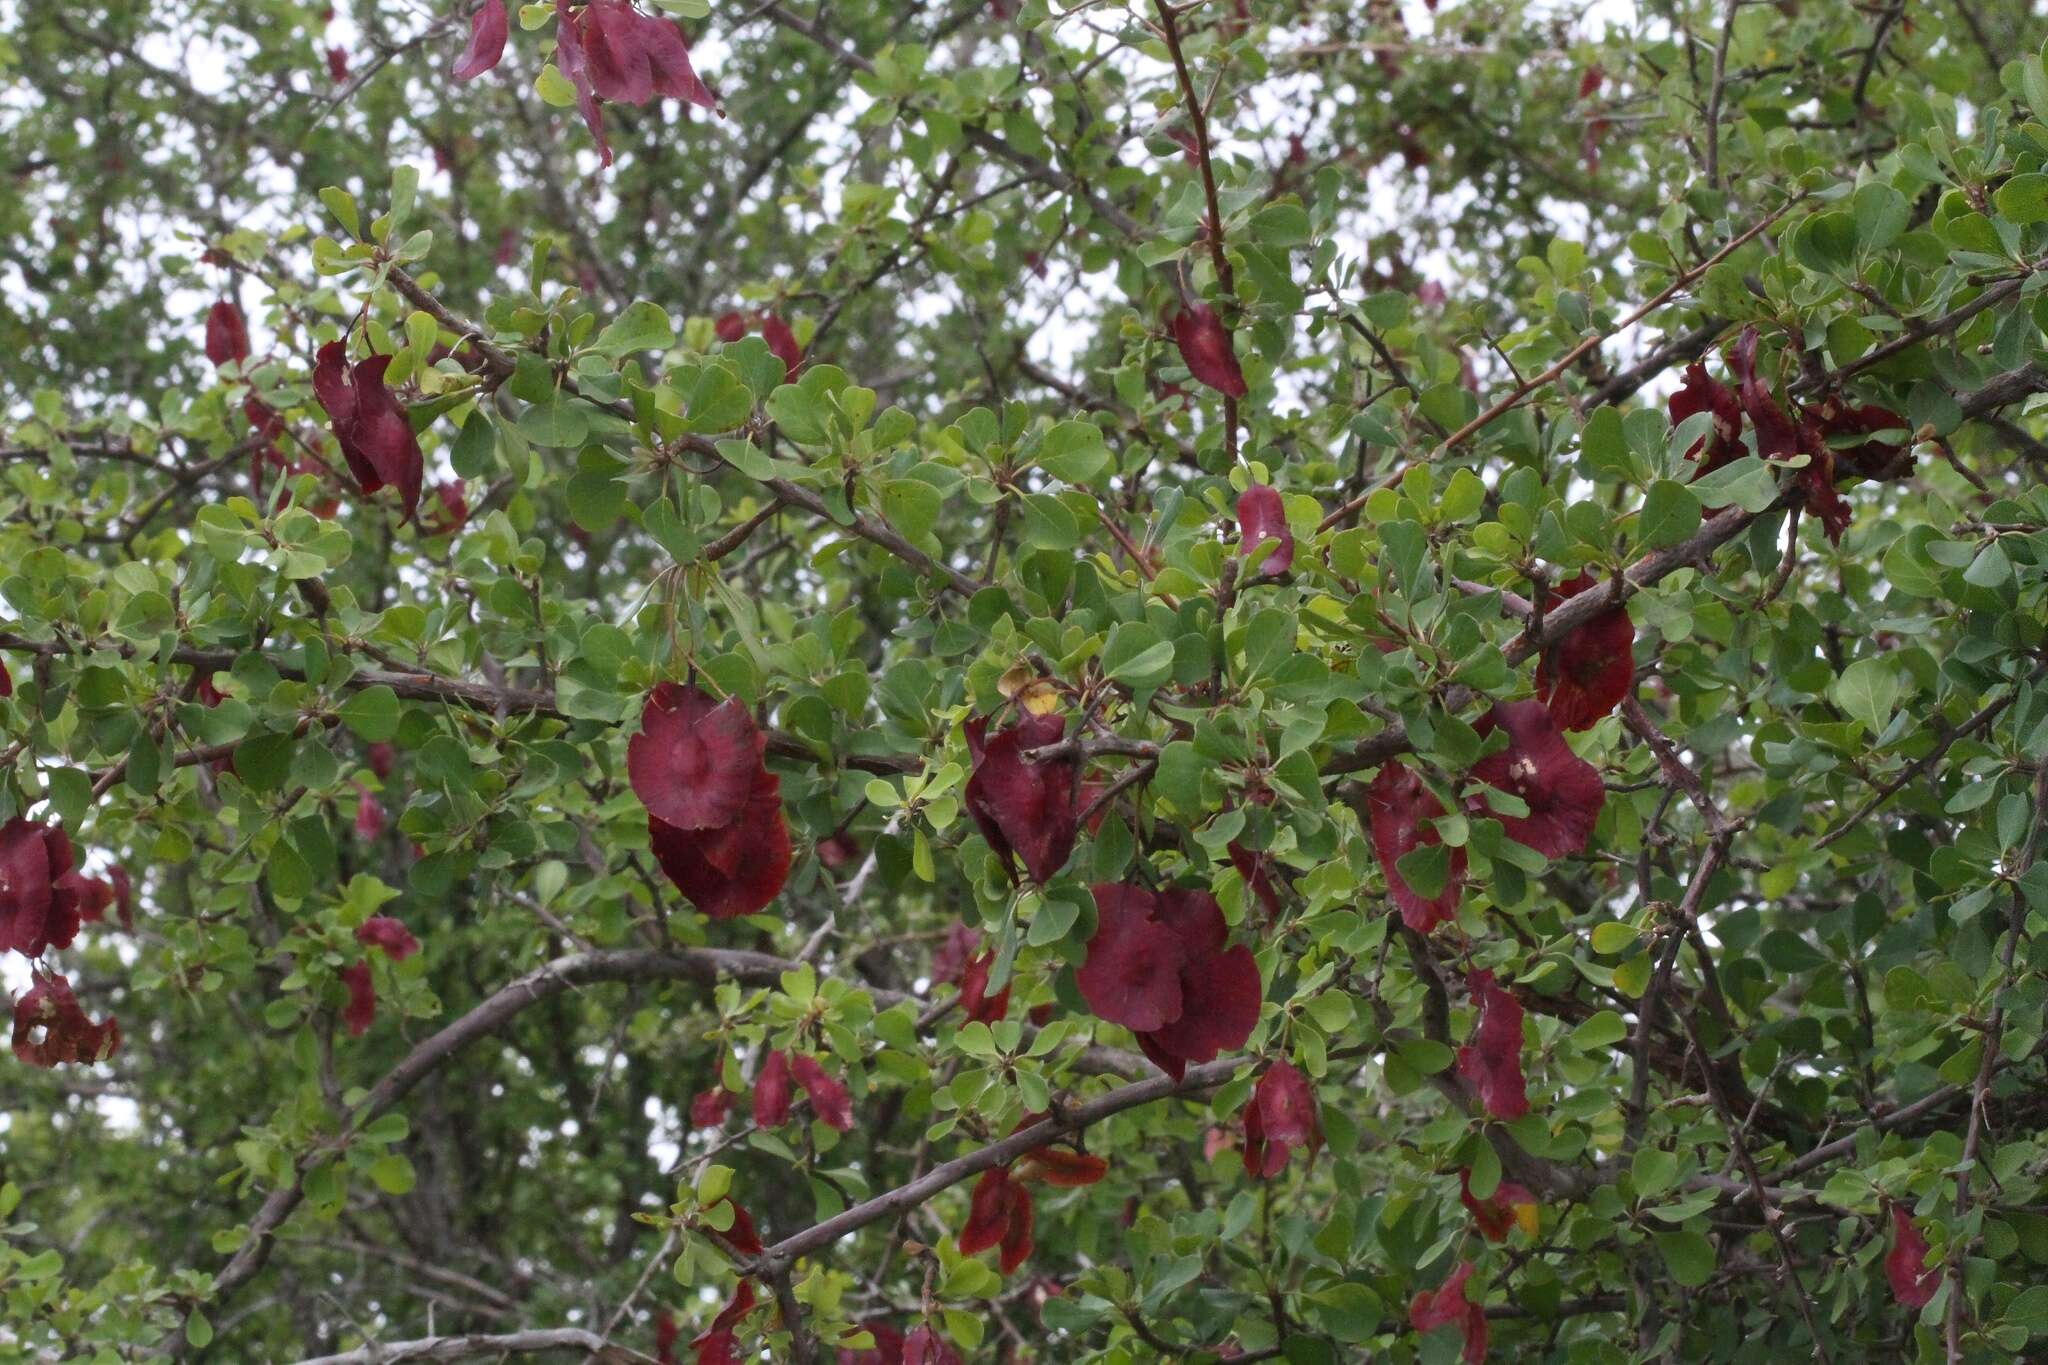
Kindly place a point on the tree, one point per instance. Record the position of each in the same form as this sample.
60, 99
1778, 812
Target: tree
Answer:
882, 682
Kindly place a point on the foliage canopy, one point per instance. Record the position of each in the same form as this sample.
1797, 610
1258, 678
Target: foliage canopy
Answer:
882, 681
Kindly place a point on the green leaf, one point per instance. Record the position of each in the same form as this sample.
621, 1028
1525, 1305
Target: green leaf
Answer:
1881, 215
1282, 225
289, 875
554, 88
1989, 569
1746, 482
1179, 778
2034, 84
1653, 1171
1074, 452
1462, 497
1136, 657
1603, 452
1349, 1312
642, 327
720, 401
1425, 869
41, 1266
392, 1173
1784, 951
1688, 1256
912, 506
2030, 1308
262, 761
1670, 513
1602, 1030
596, 496
713, 1184
2024, 198
1824, 242
372, 713
1484, 1163
386, 1129
476, 448
342, 205
70, 793
561, 422
1614, 937
1868, 690
1268, 642
1048, 523
405, 183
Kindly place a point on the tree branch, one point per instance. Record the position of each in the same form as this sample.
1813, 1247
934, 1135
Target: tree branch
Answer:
2016, 922
1061, 1123
507, 1344
705, 966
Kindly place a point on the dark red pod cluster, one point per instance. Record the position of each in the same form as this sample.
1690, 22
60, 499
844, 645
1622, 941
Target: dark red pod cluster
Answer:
1586, 674
1026, 810
370, 423
962, 961
1780, 437
887, 1350
828, 1095
369, 816
710, 1107
1205, 348
388, 935
1262, 517
1563, 792
719, 1343
838, 851
714, 811
781, 340
447, 510
1161, 964
1281, 1116
1260, 872
488, 29
1492, 1061
742, 1235
50, 1027
772, 1091
90, 895
1000, 1213
826, 1092
208, 694
1447, 1306
42, 900
124, 894
1701, 393
1509, 1206
227, 335
361, 1010
924, 1346
611, 51
1913, 1281
1822, 431
1399, 809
